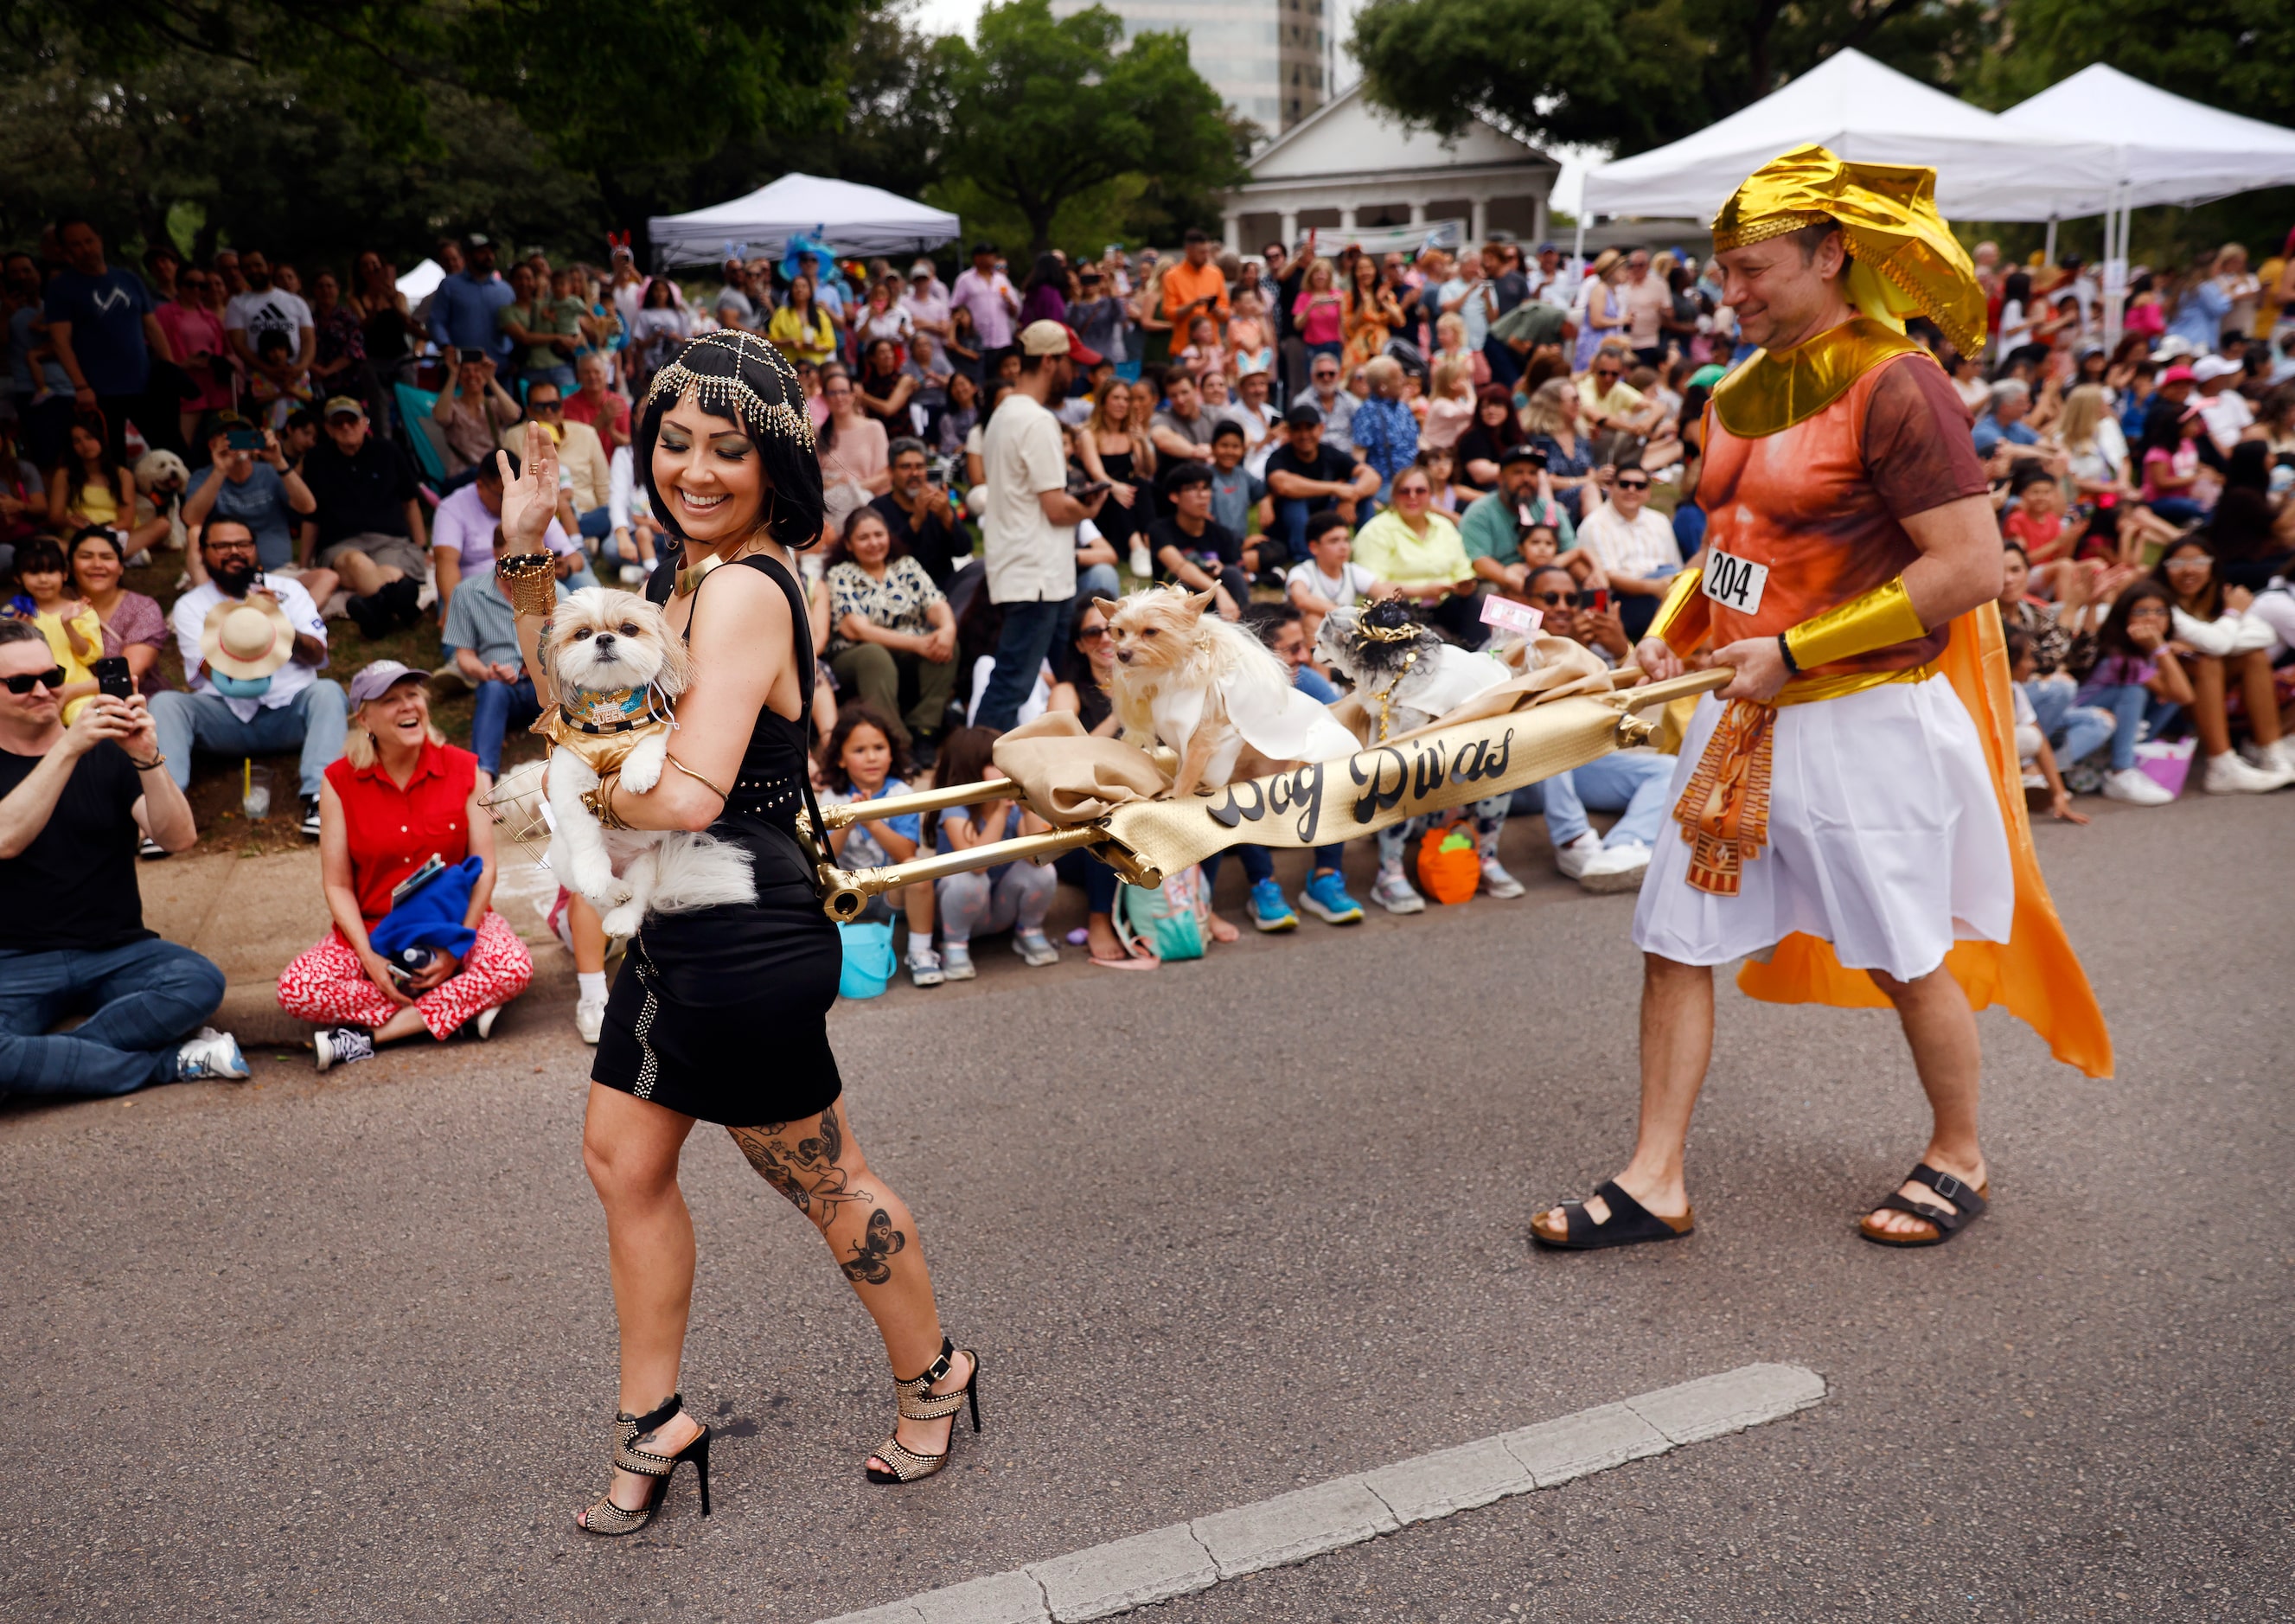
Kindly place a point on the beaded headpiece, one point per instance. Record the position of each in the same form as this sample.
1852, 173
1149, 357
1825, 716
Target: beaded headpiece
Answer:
684, 376
738, 375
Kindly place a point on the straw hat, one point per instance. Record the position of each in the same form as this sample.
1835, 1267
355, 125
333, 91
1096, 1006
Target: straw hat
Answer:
246, 637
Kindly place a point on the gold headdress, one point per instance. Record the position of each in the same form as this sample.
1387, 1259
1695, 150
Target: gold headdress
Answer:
1905, 259
732, 388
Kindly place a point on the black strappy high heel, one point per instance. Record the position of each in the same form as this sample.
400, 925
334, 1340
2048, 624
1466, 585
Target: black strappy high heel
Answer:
919, 1403
610, 1520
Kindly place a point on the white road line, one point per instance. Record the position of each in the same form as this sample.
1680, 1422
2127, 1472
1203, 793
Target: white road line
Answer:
1186, 1557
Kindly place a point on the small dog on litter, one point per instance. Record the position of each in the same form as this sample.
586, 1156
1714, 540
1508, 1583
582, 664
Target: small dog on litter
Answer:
1211, 690
615, 669
1404, 674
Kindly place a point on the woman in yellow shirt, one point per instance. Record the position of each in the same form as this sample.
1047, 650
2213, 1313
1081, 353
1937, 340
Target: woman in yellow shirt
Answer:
1418, 554
801, 328
91, 487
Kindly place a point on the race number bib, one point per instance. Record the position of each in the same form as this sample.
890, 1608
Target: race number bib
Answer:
1733, 582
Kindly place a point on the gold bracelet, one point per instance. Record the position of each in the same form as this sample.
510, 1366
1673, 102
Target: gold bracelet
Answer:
529, 580
696, 777
1878, 619
1684, 617
599, 802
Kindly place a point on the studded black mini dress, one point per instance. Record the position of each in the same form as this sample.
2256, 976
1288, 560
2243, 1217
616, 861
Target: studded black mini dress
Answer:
722, 1013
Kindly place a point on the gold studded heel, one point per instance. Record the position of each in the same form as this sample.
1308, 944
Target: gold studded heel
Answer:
608, 1519
919, 1402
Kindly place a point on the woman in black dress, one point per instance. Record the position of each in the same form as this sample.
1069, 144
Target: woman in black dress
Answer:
719, 1014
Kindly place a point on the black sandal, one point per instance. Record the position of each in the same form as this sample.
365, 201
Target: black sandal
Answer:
1972, 1205
1629, 1224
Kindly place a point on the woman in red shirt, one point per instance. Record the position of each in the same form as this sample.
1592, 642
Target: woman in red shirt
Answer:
399, 794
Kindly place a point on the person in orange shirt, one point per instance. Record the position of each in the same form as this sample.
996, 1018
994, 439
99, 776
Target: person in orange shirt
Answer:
1850, 806
1195, 287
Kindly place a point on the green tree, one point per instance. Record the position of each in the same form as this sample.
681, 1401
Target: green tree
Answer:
1637, 75
1060, 127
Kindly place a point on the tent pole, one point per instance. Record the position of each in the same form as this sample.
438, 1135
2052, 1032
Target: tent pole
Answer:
2048, 248
1577, 252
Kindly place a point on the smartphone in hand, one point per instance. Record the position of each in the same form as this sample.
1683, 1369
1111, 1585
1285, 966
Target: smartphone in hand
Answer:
112, 676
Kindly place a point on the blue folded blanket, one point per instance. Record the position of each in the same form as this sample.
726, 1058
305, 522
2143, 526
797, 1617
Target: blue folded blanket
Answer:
432, 917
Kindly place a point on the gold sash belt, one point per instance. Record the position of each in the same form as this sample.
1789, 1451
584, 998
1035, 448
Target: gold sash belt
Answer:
1724, 812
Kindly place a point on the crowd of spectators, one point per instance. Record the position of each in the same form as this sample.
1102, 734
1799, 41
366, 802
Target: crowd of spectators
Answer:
1293, 431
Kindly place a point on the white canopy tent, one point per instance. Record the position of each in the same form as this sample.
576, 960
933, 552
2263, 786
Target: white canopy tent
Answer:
2166, 149
1872, 114
853, 219
421, 282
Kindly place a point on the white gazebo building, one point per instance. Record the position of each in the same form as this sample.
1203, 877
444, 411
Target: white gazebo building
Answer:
1356, 171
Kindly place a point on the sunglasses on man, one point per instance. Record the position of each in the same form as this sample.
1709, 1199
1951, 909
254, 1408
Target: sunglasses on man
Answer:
1556, 599
1633, 484
22, 683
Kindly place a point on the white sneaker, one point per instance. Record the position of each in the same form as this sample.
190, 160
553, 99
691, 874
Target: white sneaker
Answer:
1573, 859
1142, 565
633, 574
1497, 883
2279, 754
589, 1019
2227, 775
2135, 787
212, 1057
485, 1022
956, 960
924, 968
1035, 948
1615, 868
1392, 892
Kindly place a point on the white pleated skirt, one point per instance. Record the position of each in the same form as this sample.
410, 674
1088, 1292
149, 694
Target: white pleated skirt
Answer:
1886, 839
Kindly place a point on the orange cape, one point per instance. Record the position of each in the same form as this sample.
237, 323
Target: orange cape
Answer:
2035, 973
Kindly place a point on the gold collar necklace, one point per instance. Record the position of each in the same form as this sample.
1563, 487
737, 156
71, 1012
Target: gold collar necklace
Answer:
689, 577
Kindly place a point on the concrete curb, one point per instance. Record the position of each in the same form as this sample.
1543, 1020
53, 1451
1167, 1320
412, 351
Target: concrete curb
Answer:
1186, 1557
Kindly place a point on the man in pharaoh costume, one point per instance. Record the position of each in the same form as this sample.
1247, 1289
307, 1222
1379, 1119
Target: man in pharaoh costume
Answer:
1849, 808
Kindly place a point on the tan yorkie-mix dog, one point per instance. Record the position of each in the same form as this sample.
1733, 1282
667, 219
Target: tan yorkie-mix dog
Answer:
1211, 690
616, 668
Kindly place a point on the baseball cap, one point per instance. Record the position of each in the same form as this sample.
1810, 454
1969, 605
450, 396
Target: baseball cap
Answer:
923, 267
344, 405
1304, 414
1050, 338
2178, 374
2207, 368
377, 679
479, 239
1522, 450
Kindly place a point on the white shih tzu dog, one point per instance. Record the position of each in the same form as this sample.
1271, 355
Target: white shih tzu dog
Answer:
616, 668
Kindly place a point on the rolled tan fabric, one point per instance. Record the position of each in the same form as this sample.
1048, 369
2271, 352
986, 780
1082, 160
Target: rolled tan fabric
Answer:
1564, 668
1070, 777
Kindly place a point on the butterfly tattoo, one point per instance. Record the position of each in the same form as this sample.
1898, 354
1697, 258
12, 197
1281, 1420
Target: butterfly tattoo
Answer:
866, 1266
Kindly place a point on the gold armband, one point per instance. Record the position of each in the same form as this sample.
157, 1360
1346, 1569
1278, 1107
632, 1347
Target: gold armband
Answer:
1684, 618
529, 580
1880, 618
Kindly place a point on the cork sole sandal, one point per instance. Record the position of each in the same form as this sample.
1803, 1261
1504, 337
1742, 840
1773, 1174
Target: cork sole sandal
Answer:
1629, 1224
1973, 1204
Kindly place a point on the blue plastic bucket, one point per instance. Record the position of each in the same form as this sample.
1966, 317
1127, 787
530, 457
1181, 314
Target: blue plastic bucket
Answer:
868, 960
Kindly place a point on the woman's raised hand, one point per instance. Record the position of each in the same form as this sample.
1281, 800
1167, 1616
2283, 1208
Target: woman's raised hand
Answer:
529, 501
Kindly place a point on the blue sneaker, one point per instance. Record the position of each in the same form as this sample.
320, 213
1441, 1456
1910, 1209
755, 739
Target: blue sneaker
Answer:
1268, 910
1326, 897
212, 1057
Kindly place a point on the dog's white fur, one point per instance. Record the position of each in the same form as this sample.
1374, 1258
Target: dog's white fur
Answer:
1176, 667
599, 640
1439, 678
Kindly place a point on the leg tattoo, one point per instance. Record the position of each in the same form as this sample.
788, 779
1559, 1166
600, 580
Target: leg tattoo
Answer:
807, 1173
866, 1266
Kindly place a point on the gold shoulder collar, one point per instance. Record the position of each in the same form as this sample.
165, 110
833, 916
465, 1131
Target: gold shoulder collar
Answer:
1771, 393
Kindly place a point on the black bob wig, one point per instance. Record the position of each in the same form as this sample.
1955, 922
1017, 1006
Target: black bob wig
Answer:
740, 377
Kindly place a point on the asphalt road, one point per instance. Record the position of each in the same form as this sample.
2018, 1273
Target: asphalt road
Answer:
343, 1347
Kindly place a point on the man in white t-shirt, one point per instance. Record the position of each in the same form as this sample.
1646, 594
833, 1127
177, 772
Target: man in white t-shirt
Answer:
1028, 530
265, 308
289, 706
